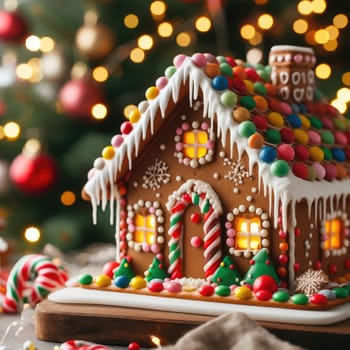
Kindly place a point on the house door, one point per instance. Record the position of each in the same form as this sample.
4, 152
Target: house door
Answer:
195, 231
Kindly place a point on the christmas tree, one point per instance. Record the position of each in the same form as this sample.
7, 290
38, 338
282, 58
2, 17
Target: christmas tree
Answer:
226, 274
71, 71
156, 270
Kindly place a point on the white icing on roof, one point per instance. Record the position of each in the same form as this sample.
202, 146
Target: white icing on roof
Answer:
281, 190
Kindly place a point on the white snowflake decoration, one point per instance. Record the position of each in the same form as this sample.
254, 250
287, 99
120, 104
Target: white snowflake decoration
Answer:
237, 172
156, 175
311, 281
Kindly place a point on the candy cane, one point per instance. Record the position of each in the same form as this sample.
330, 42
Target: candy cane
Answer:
212, 235
31, 279
82, 345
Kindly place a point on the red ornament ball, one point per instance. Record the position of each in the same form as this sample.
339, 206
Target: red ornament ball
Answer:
109, 267
134, 346
33, 175
78, 96
13, 27
265, 282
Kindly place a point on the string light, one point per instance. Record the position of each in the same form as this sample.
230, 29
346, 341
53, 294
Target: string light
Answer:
68, 198
32, 234
131, 21
256, 40
339, 105
100, 74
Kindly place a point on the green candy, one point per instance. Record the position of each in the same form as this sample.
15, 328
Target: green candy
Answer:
263, 74
279, 168
228, 99
222, 290
327, 153
281, 296
260, 88
340, 124
341, 292
327, 137
315, 122
85, 279
273, 136
246, 128
226, 69
247, 102
300, 299
170, 71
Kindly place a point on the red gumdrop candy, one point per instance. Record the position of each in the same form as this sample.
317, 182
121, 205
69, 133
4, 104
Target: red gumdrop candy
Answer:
263, 295
265, 282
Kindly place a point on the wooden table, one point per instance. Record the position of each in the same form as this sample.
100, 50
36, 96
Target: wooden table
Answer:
119, 326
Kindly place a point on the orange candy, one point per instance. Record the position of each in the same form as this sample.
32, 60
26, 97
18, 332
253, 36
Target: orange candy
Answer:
256, 141
283, 246
261, 102
212, 70
239, 72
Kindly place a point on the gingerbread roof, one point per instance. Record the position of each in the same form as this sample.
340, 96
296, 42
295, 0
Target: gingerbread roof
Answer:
302, 149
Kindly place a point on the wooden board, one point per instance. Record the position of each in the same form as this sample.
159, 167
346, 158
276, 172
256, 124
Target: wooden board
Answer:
58, 322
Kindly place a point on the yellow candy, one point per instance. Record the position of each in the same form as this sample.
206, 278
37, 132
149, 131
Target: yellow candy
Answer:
102, 281
249, 85
134, 116
243, 292
301, 136
305, 122
152, 93
275, 119
316, 154
108, 152
138, 282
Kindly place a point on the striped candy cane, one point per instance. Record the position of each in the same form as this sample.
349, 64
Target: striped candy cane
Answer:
82, 345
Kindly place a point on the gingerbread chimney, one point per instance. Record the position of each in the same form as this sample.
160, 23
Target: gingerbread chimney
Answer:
292, 72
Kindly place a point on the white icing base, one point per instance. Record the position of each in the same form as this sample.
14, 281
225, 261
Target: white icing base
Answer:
269, 314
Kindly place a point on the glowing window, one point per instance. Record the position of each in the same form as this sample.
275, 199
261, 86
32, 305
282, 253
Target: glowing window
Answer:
247, 232
145, 229
195, 144
333, 229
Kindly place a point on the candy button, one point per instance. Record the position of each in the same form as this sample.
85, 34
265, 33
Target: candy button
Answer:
226, 69
273, 136
287, 135
228, 99
338, 154
220, 82
316, 154
246, 128
340, 138
300, 299
249, 85
275, 119
239, 72
341, 292
340, 124
243, 292
252, 74
155, 286
320, 171
231, 61
238, 85
280, 296
161, 82
260, 88
318, 299
121, 281
210, 58
263, 74
206, 290
138, 282
271, 89
126, 128
134, 116
314, 137
267, 154
240, 114
305, 122
302, 153
285, 108
263, 295
261, 103
342, 172
117, 140
279, 168
99, 163
327, 137
301, 136
199, 60
327, 122
152, 92
256, 141
260, 122
248, 102
85, 279
327, 153
294, 120
108, 152
315, 122
212, 70
170, 71
331, 171
285, 152
102, 281
222, 290
179, 60
173, 286
300, 170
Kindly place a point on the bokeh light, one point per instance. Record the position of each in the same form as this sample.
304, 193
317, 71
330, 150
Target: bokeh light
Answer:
131, 21
47, 44
305, 7
183, 39
145, 42
128, 109
100, 74
33, 43
12, 130
247, 31
32, 234
165, 29
99, 111
158, 8
318, 6
203, 24
346, 78
340, 20
265, 21
137, 55
300, 26
323, 71
68, 198
322, 36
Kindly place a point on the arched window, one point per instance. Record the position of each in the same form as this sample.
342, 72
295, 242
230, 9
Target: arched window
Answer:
145, 229
195, 143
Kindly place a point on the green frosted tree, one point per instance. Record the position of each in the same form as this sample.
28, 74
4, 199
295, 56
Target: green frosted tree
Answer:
226, 273
156, 270
125, 269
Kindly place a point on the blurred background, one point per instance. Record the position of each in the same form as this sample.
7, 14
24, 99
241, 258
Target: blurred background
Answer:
71, 70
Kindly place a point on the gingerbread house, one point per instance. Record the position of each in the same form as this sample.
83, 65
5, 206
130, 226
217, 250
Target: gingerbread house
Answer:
225, 159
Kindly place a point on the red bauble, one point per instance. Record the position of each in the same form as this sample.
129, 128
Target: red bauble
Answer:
78, 96
109, 267
33, 174
13, 27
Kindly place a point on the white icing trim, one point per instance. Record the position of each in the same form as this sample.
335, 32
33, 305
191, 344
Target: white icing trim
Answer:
293, 48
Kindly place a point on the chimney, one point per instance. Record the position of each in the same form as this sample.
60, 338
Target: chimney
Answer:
292, 72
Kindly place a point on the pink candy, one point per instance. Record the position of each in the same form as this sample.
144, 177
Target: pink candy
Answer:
82, 345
